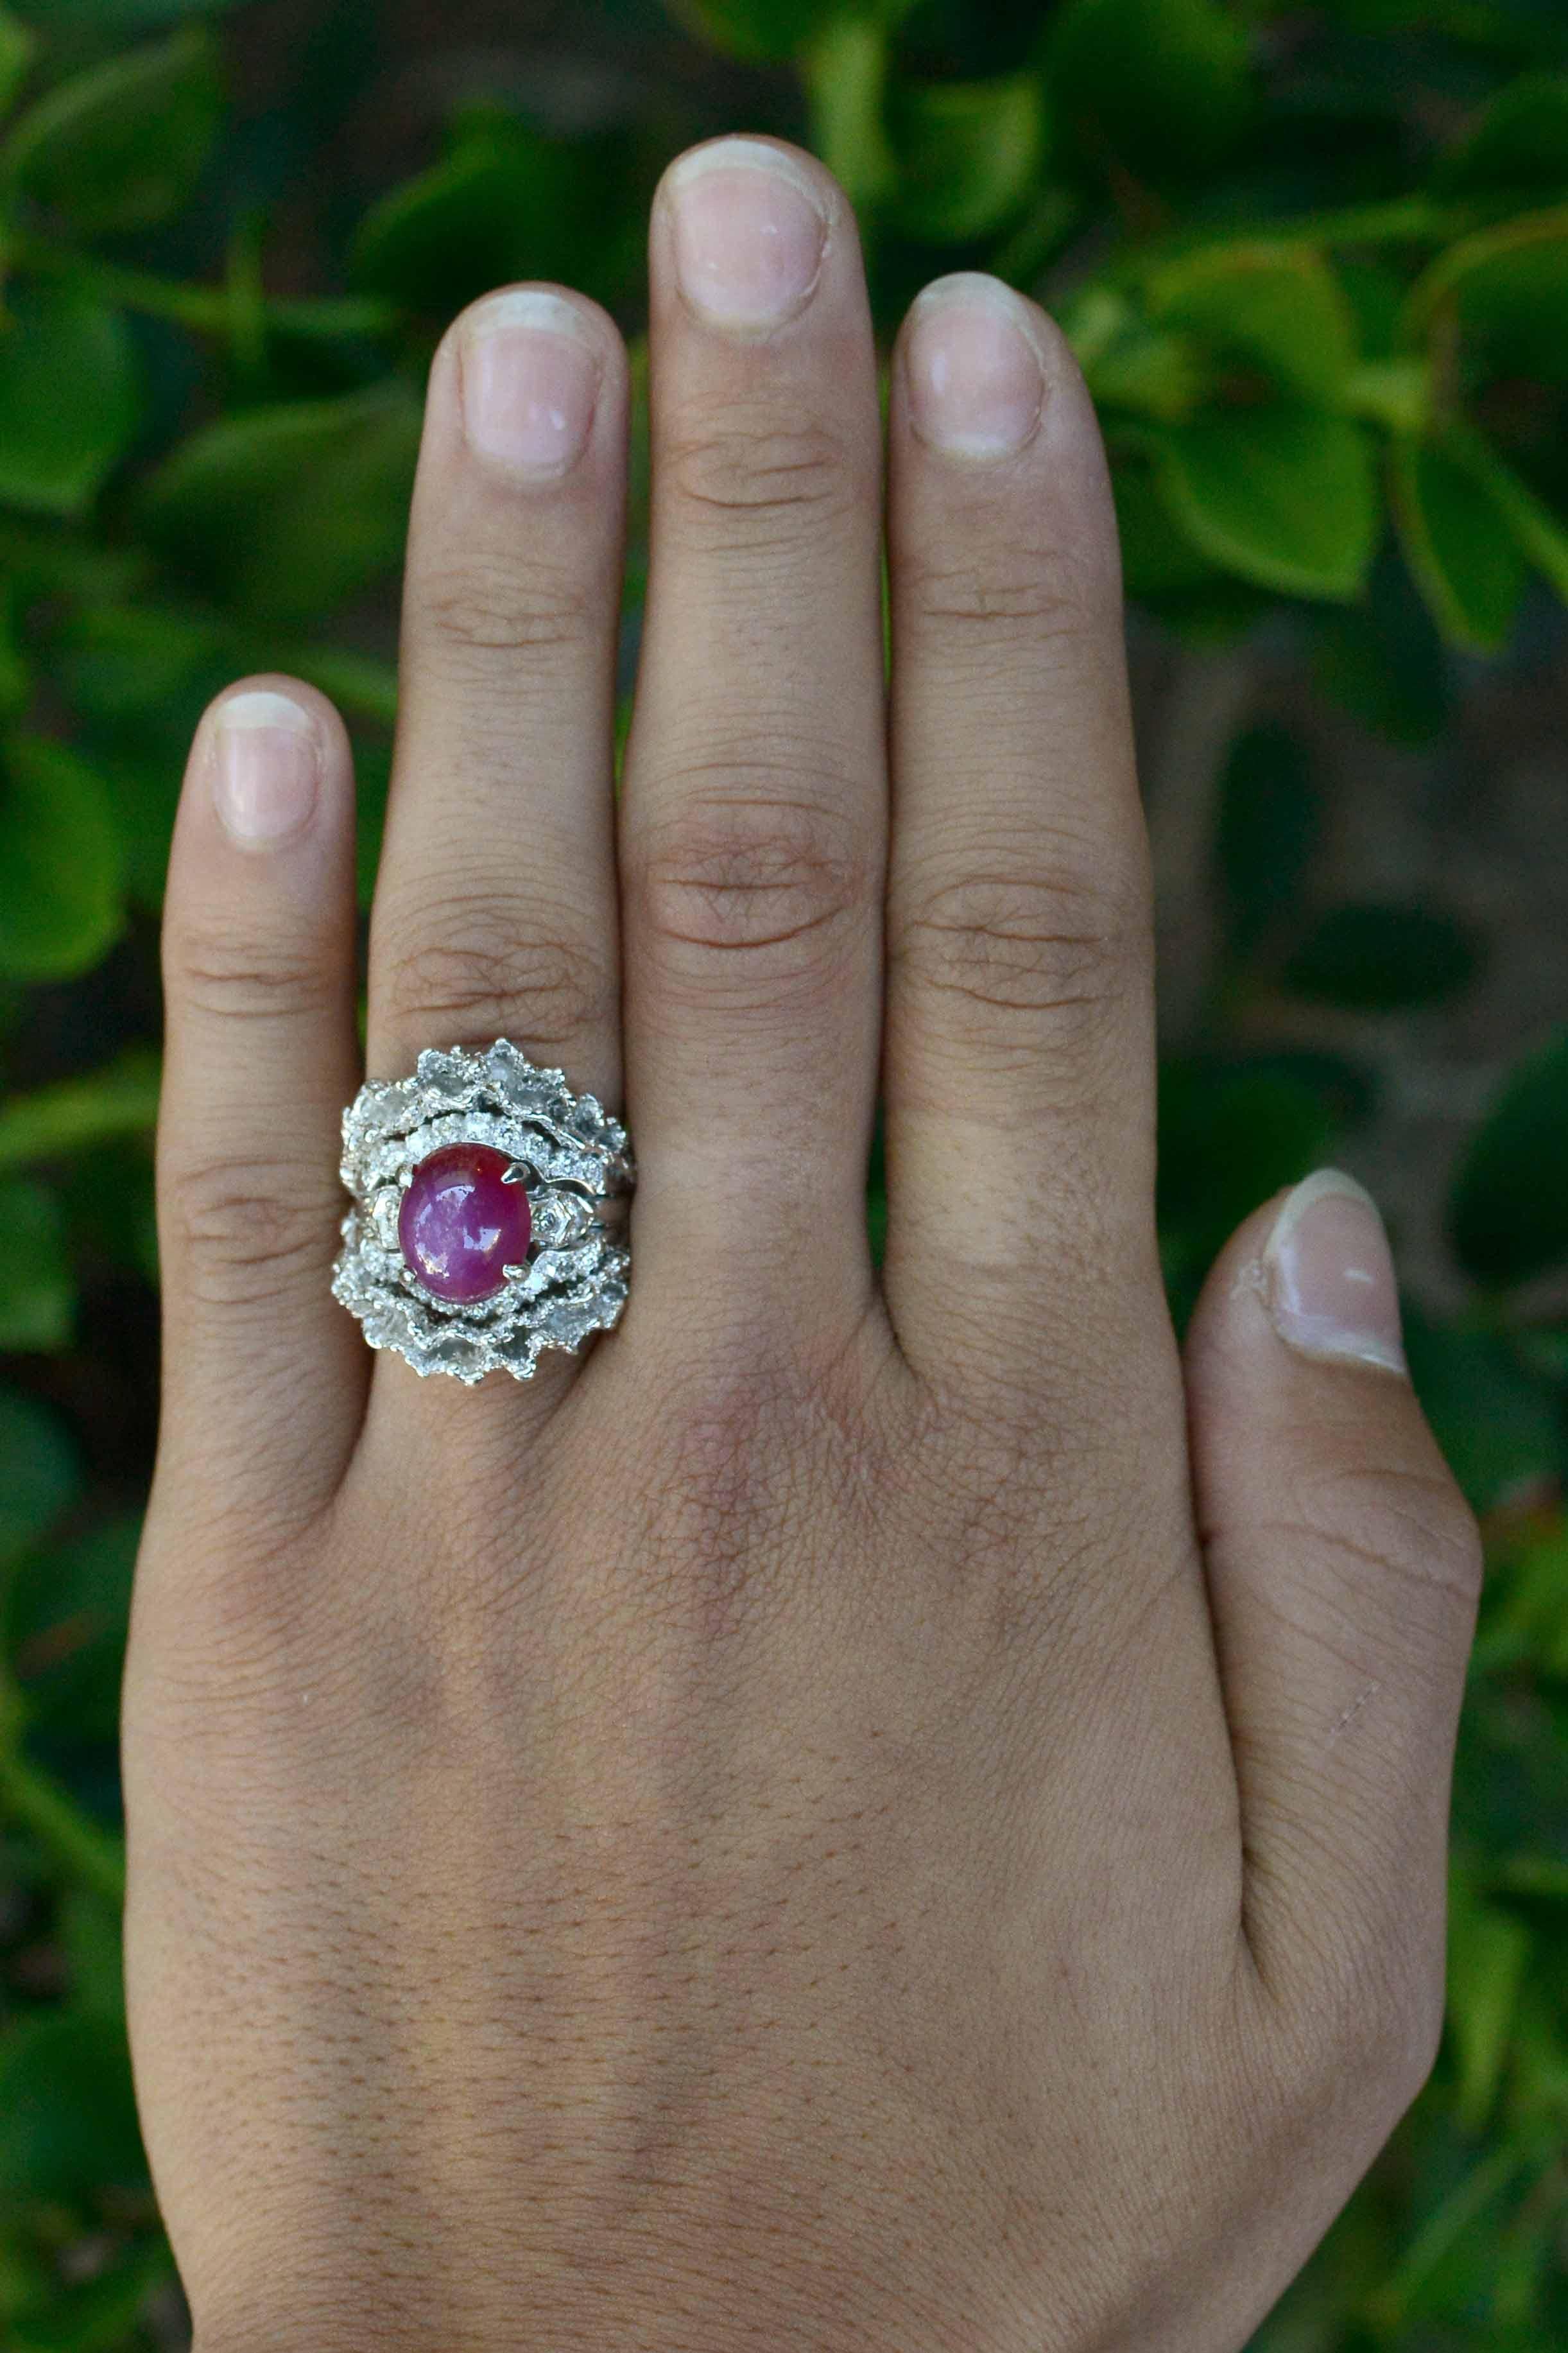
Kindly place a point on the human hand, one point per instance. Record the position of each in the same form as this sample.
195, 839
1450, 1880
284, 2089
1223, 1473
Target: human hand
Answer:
874, 1809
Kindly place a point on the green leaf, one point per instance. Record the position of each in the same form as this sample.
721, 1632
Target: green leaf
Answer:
968, 154
37, 1294
1375, 955
70, 398
1505, 292
97, 2314
121, 1099
1519, 147
1497, 1427
291, 509
16, 50
123, 146
39, 1473
758, 28
1488, 1951
1270, 818
1384, 659
1459, 547
61, 878
67, 2109
1509, 1209
65, 1620
1277, 309
1156, 557
1541, 537
508, 203
1286, 497
1159, 89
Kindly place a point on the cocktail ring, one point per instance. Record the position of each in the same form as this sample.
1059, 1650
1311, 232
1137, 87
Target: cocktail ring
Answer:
489, 1214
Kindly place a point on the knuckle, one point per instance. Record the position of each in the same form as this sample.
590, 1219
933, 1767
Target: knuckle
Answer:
229, 975
758, 874
241, 1230
1377, 2024
1066, 943
1413, 1527
486, 605
1006, 592
755, 475
498, 967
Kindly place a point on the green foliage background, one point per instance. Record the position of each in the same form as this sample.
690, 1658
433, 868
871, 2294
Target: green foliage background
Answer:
1314, 260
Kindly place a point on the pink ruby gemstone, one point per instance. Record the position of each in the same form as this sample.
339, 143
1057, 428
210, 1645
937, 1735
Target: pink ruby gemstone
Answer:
462, 1224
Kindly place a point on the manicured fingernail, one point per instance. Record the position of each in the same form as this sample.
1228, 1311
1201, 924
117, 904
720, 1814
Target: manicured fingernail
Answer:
1329, 1277
531, 381
749, 233
267, 768
976, 387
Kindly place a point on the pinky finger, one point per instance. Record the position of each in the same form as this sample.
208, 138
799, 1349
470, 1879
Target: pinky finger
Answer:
264, 1374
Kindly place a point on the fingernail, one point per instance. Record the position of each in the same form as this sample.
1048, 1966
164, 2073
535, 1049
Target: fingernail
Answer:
1328, 1275
531, 381
976, 387
267, 768
749, 233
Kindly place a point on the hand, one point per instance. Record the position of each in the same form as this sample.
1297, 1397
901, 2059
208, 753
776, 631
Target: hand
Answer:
870, 1809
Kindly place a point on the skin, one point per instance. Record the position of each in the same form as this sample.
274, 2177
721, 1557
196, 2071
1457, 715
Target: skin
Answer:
873, 1809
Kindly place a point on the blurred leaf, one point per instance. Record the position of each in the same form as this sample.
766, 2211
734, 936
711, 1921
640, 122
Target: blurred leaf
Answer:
92, 2316
1232, 1132
1499, 1429
123, 146
291, 509
759, 28
1467, 562
1384, 661
66, 1619
37, 1294
97, 2314
1274, 308
1505, 290
90, 1932
1539, 535
508, 203
1377, 955
118, 16
1270, 815
1156, 556
968, 154
70, 398
1489, 1950
60, 869
1157, 89
39, 1473
68, 2110
1286, 497
1509, 1209
1519, 147
17, 46
120, 1100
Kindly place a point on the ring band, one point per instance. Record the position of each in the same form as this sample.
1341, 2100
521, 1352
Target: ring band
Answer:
489, 1214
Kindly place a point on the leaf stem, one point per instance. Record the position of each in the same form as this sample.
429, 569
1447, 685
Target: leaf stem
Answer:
210, 310
90, 1854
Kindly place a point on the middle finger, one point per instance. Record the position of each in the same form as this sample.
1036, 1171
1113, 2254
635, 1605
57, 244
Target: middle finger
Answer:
753, 820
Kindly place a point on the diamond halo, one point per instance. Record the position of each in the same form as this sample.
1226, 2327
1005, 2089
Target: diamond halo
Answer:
572, 1158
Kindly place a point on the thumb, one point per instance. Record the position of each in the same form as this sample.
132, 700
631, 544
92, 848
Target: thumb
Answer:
1343, 1568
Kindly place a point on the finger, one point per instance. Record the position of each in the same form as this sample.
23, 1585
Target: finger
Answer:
1020, 1067
263, 1373
495, 908
1343, 1566
753, 815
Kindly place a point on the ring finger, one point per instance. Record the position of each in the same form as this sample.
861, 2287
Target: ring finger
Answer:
495, 910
